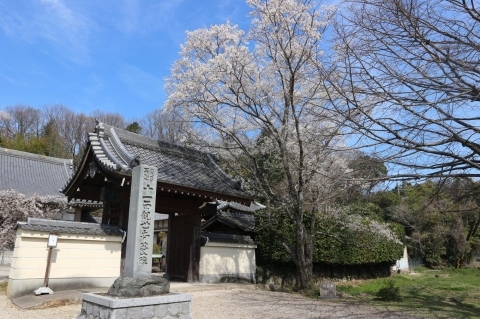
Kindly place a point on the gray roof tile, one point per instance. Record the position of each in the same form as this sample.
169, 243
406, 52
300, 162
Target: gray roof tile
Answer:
243, 221
224, 205
65, 227
29, 173
228, 238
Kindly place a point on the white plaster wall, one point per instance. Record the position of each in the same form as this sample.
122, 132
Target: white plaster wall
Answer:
219, 260
78, 261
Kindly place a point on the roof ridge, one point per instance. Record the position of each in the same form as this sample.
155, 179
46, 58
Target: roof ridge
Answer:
34, 156
235, 184
145, 140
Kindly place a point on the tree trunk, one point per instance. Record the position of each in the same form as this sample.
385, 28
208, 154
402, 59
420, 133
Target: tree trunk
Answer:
303, 260
304, 274
471, 233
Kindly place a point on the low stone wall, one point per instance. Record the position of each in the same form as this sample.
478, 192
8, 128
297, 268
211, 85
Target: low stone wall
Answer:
172, 305
88, 258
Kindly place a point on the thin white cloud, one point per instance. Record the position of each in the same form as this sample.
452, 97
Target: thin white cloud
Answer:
65, 28
146, 16
228, 10
140, 82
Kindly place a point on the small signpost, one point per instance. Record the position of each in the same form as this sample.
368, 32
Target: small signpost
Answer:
52, 243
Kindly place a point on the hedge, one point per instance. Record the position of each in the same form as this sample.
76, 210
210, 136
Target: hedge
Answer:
340, 245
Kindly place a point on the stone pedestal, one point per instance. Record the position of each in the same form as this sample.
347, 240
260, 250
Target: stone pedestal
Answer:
169, 306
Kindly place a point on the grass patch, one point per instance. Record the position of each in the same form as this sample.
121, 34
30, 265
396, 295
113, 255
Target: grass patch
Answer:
3, 287
442, 294
389, 292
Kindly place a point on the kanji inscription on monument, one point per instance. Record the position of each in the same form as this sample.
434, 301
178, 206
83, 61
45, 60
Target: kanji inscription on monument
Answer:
138, 261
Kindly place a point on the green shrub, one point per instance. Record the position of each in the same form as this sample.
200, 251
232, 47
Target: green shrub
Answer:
156, 249
342, 246
389, 292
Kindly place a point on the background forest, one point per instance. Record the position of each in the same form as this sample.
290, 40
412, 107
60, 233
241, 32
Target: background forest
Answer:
58, 131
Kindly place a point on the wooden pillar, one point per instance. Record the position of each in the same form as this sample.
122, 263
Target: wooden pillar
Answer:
169, 255
194, 266
105, 212
124, 206
78, 214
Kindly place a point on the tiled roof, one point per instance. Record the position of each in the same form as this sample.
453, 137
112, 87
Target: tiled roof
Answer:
118, 150
227, 238
224, 205
60, 226
159, 216
31, 173
243, 221
85, 203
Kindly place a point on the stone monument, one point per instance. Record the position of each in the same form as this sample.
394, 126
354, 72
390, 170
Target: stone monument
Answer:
327, 290
141, 219
137, 295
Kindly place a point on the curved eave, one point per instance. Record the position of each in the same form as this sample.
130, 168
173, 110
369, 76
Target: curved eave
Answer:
105, 159
76, 175
103, 167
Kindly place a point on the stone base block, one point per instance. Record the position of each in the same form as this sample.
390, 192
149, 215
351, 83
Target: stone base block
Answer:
169, 306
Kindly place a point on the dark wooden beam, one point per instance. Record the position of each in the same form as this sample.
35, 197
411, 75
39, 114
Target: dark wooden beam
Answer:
181, 205
200, 194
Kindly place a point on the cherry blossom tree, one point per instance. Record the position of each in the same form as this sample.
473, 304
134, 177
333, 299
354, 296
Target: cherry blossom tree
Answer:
15, 207
260, 102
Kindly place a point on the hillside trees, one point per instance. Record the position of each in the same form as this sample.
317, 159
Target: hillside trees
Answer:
54, 130
407, 78
440, 217
259, 101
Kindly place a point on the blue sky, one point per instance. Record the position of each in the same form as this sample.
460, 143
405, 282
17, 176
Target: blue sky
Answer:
111, 55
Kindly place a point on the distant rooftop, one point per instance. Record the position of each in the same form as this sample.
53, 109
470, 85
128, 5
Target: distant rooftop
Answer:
29, 173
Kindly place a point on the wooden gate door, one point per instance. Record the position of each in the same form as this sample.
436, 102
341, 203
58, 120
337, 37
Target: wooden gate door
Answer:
183, 252
180, 237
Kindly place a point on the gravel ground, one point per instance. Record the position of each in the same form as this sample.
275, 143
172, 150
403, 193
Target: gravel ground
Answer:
252, 304
9, 311
232, 304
